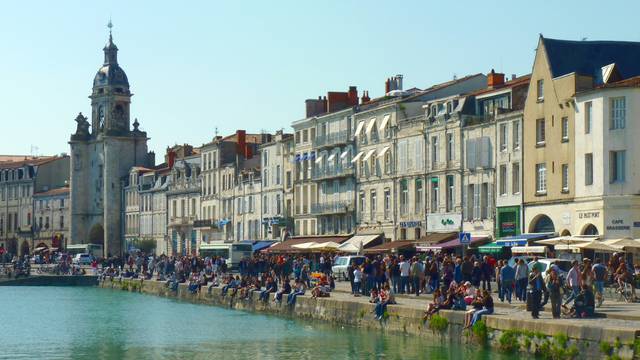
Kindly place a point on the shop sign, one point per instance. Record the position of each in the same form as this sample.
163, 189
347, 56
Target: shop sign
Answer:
508, 226
444, 222
588, 214
410, 224
617, 225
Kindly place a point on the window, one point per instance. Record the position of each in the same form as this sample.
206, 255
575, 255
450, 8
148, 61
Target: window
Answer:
618, 113
288, 179
434, 151
372, 199
265, 158
418, 196
476, 202
588, 169
503, 179
450, 148
565, 129
588, 117
387, 202
450, 192
387, 162
265, 177
362, 202
435, 193
565, 177
617, 166
193, 206
265, 205
515, 178
503, 137
305, 135
297, 137
61, 222
540, 89
540, 132
541, 178
404, 197
277, 174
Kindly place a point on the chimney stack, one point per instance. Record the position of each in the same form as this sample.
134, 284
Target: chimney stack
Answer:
365, 97
352, 97
495, 79
399, 82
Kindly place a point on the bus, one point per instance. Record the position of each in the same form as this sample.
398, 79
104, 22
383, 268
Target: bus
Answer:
231, 252
92, 249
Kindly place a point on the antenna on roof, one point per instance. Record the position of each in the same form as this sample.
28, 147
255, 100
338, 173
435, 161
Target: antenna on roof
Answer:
584, 39
455, 77
216, 131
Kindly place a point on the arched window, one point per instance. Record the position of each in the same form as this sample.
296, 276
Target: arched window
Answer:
590, 230
542, 224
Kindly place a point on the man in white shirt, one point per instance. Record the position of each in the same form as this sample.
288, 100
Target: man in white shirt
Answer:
573, 280
405, 266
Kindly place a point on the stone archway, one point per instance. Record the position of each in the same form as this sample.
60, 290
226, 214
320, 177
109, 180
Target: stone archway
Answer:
96, 235
565, 232
542, 224
590, 229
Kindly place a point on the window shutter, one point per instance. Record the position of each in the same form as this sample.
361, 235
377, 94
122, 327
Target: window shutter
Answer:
410, 155
471, 154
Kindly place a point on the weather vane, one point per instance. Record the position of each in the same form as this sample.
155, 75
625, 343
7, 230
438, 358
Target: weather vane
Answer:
110, 26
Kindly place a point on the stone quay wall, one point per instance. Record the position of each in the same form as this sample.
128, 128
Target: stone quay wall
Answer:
500, 332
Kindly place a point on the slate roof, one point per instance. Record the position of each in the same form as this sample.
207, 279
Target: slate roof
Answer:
588, 57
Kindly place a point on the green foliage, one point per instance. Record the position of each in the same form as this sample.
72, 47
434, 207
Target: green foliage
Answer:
362, 313
636, 347
605, 348
480, 331
509, 341
617, 344
557, 349
438, 323
561, 339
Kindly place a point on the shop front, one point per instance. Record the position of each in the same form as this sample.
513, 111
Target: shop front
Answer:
444, 222
411, 230
507, 221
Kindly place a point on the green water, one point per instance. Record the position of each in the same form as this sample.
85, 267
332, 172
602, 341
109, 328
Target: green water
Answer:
93, 323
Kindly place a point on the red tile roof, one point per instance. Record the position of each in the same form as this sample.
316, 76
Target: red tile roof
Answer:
522, 80
30, 161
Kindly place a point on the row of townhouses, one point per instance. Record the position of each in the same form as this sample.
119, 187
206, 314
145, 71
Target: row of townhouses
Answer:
491, 155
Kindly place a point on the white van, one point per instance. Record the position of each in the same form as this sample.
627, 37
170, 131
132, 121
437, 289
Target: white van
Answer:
342, 263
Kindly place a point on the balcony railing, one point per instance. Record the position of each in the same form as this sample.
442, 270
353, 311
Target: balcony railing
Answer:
328, 173
336, 138
338, 207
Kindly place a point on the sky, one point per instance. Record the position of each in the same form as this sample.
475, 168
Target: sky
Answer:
200, 65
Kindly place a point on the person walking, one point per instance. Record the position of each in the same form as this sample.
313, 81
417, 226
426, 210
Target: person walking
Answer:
600, 274
522, 274
507, 279
404, 274
573, 280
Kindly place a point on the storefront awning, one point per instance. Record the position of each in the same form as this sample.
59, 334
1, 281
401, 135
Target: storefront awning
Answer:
287, 246
388, 247
523, 239
453, 243
358, 242
262, 245
435, 238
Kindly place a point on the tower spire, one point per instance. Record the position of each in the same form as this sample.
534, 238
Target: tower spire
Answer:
110, 50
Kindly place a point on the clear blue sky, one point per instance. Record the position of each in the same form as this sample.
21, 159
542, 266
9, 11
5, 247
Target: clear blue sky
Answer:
241, 64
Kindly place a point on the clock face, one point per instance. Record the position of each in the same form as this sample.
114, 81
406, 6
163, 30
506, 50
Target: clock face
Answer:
101, 117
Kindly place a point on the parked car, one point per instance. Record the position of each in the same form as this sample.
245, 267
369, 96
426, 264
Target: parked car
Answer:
563, 265
514, 260
82, 259
342, 263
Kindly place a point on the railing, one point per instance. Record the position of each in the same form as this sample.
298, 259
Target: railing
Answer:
184, 220
338, 207
328, 173
341, 137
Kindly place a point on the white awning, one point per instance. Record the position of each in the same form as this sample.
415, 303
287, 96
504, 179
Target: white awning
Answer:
357, 157
319, 159
372, 123
384, 122
369, 154
357, 242
359, 128
383, 151
344, 154
331, 157
528, 249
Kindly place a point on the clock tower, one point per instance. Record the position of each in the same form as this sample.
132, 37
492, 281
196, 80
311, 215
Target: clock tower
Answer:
102, 153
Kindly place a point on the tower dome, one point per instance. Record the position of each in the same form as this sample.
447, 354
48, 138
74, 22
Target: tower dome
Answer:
110, 73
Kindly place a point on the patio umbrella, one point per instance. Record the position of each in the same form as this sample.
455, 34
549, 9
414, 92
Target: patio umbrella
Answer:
330, 245
597, 246
564, 240
624, 243
304, 246
348, 248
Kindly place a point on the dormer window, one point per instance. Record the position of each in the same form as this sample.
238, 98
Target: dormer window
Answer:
434, 110
449, 107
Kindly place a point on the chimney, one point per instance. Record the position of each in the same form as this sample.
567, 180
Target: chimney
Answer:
399, 82
495, 79
171, 158
352, 96
387, 86
241, 142
365, 97
513, 77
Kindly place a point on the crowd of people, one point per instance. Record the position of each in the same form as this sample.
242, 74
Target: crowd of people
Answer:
456, 282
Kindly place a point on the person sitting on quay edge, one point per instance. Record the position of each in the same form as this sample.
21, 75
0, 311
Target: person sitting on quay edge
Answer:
432, 308
271, 286
383, 300
298, 290
286, 289
487, 307
477, 304
233, 284
584, 303
322, 289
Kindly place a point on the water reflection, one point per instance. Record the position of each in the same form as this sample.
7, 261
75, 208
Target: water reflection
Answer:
92, 323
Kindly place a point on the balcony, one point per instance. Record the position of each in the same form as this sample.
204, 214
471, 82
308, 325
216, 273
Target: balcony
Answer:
332, 139
330, 173
182, 221
338, 207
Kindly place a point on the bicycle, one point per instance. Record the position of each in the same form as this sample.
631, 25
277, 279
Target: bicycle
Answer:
625, 292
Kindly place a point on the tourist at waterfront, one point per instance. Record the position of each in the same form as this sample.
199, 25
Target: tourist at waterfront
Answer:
383, 301
573, 281
600, 276
537, 287
476, 305
487, 307
554, 288
271, 286
404, 266
298, 290
522, 277
507, 277
284, 290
